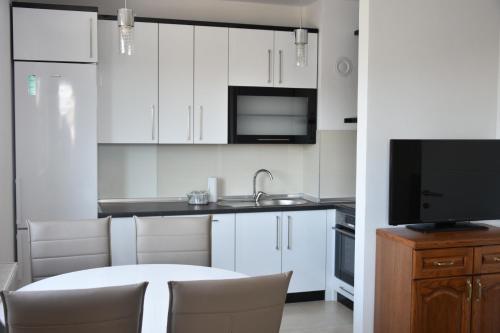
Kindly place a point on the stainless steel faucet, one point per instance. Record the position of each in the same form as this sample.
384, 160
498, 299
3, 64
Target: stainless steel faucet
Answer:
257, 195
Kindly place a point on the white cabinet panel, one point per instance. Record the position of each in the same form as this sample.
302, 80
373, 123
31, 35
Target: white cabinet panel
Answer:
223, 241
23, 258
210, 85
128, 86
286, 72
304, 249
258, 243
251, 55
123, 241
54, 35
176, 83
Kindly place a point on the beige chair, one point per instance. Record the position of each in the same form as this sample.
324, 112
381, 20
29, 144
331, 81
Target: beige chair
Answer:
174, 240
247, 305
59, 247
101, 310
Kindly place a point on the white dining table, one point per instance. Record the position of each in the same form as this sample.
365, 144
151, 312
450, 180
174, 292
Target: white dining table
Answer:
157, 295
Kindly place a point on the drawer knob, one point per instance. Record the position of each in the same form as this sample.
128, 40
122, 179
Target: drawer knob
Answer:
496, 259
443, 263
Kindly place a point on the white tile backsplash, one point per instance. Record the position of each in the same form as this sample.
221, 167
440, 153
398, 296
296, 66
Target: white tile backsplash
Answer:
145, 171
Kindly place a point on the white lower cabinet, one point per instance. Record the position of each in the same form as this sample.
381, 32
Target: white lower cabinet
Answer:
304, 249
269, 243
123, 241
258, 243
223, 241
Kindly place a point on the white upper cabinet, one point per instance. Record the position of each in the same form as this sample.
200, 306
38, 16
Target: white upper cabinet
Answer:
128, 86
286, 73
54, 35
251, 54
304, 249
176, 44
193, 84
210, 85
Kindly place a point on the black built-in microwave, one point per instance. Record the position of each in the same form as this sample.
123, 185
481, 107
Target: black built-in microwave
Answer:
272, 115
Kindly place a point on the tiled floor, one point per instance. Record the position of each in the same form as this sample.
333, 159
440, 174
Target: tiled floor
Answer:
316, 317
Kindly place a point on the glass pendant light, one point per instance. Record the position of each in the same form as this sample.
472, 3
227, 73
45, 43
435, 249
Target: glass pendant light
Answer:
125, 20
301, 40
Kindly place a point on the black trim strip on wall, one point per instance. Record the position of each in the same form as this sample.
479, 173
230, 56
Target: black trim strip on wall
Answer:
55, 7
208, 23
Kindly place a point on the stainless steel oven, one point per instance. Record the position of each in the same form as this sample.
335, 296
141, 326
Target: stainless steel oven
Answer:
344, 247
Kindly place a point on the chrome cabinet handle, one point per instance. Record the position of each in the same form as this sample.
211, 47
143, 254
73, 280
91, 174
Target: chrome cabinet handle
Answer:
189, 124
270, 59
152, 122
289, 232
343, 232
443, 263
277, 233
201, 122
347, 291
469, 290
479, 290
281, 66
91, 38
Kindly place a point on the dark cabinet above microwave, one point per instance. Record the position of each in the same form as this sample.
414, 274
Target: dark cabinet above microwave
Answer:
272, 115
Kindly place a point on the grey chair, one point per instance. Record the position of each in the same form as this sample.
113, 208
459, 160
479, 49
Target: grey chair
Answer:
59, 247
101, 310
238, 306
174, 240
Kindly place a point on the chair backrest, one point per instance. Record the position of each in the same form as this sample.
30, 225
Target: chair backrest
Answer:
59, 247
101, 310
174, 240
246, 305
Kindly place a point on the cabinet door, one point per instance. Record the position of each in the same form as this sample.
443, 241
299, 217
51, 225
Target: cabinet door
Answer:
54, 35
258, 243
486, 304
286, 72
304, 249
442, 305
176, 83
128, 86
251, 57
123, 241
223, 236
210, 85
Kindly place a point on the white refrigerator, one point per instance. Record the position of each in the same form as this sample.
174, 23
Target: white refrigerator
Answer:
55, 146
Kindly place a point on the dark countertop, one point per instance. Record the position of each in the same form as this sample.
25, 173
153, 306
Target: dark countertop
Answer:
129, 209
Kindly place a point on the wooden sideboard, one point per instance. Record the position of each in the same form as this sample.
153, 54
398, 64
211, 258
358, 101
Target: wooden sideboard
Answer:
437, 282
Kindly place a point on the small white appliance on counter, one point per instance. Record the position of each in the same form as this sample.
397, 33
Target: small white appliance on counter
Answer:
55, 123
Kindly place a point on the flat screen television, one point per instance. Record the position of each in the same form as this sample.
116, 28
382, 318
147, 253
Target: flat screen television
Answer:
444, 184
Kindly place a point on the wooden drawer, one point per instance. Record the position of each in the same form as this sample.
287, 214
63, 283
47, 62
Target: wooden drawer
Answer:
442, 263
487, 259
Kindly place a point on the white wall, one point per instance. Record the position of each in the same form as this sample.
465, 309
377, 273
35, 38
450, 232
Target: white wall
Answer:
6, 181
337, 94
428, 69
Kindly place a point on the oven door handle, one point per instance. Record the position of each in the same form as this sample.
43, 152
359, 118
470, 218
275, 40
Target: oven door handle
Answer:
347, 233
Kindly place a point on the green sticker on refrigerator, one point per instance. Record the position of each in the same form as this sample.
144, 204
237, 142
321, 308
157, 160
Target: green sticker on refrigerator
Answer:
32, 85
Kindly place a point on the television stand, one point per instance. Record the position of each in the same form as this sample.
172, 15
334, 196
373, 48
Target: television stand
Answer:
446, 226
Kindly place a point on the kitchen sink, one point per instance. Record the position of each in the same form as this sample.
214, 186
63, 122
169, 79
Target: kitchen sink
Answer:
263, 202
